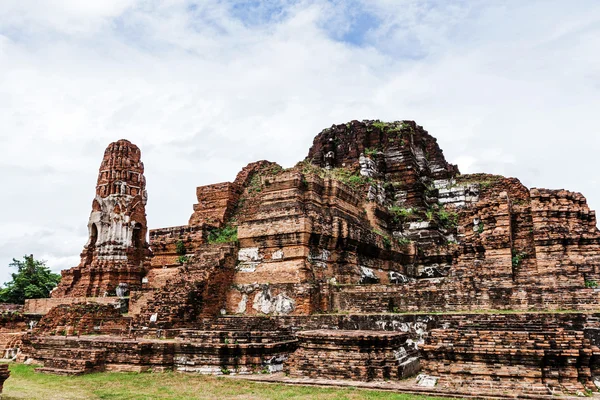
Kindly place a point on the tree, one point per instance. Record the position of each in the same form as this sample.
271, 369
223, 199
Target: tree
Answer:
33, 280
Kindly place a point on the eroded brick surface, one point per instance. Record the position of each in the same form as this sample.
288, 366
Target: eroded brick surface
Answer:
353, 355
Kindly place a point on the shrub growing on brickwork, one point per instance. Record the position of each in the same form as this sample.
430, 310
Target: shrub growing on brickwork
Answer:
448, 219
183, 259
591, 284
400, 214
227, 234
370, 152
518, 258
180, 248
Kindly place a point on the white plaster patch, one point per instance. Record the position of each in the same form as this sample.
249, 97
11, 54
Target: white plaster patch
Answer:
400, 197
443, 183
262, 301
113, 229
247, 266
458, 195
277, 255
265, 303
275, 368
398, 278
419, 225
249, 254
367, 272
241, 308
420, 157
283, 304
367, 166
427, 380
381, 325
400, 354
319, 257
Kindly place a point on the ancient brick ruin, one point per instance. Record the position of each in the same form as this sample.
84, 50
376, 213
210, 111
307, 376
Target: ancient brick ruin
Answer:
116, 251
373, 259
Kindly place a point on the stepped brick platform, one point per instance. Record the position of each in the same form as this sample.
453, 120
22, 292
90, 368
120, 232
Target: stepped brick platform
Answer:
357, 355
203, 352
372, 225
81, 319
515, 357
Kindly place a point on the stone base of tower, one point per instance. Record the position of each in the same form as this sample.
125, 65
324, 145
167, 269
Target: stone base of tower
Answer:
97, 281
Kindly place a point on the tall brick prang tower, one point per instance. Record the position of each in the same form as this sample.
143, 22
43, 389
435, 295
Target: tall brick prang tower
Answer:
116, 251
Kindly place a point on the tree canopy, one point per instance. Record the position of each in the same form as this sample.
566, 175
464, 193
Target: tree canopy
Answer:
33, 280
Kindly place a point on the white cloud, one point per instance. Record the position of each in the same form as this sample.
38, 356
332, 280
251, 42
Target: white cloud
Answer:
206, 87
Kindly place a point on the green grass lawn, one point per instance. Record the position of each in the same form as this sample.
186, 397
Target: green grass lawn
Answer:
24, 383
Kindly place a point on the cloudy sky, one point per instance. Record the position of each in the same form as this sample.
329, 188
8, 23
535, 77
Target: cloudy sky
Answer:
204, 87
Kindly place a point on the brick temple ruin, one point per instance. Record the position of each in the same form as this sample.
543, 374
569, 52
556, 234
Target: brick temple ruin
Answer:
372, 260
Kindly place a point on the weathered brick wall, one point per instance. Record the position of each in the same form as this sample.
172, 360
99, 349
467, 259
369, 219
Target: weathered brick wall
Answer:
458, 296
191, 353
519, 352
307, 230
13, 325
194, 290
164, 243
215, 204
42, 306
81, 319
353, 355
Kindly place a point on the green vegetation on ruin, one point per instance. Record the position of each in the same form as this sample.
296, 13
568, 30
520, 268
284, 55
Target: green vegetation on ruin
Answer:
182, 259
24, 383
518, 257
181, 252
400, 214
371, 152
227, 234
591, 284
351, 178
393, 130
180, 248
485, 181
447, 219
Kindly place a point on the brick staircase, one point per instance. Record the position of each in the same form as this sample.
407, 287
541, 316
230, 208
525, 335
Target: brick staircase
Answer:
65, 358
157, 278
184, 295
532, 357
